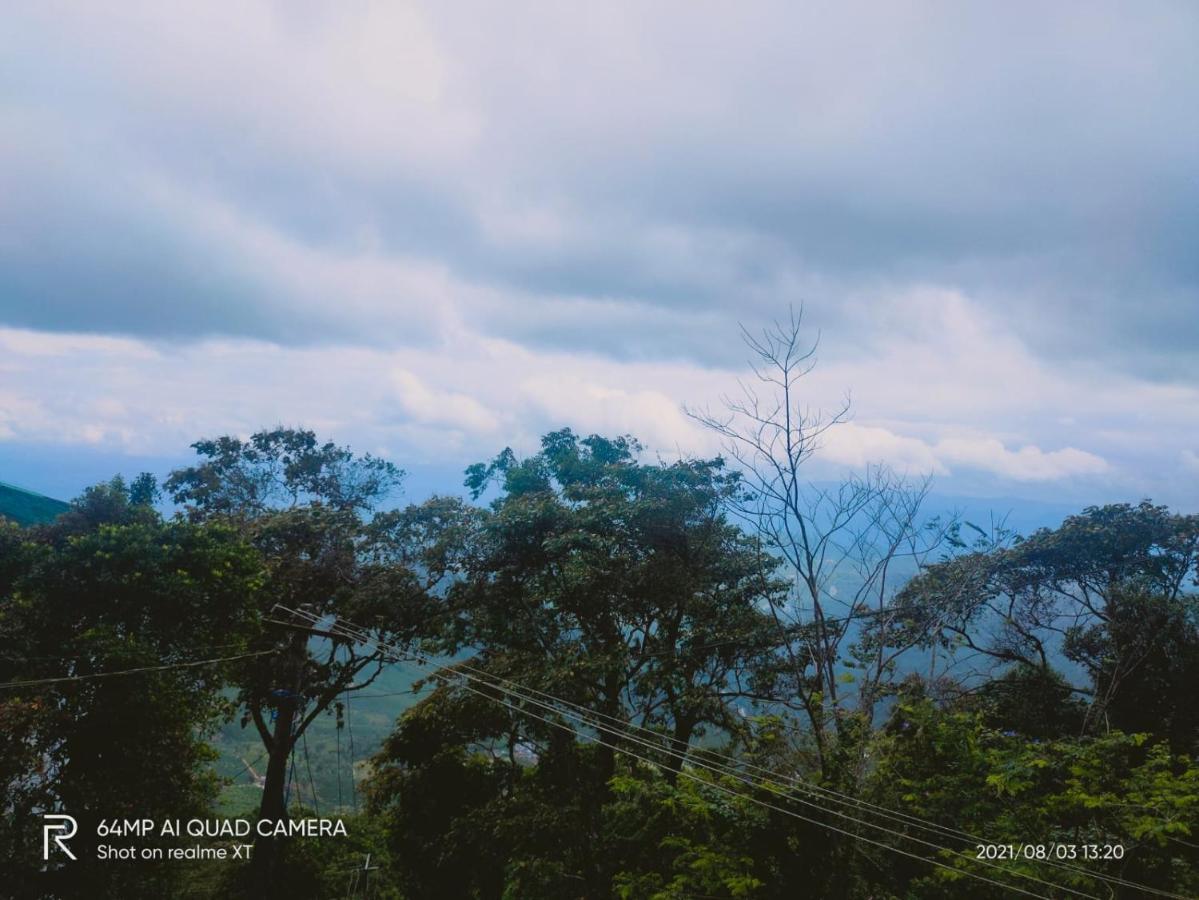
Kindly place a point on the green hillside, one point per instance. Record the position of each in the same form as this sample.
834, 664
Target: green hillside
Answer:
27, 508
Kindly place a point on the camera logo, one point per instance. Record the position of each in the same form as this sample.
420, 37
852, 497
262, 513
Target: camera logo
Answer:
61, 823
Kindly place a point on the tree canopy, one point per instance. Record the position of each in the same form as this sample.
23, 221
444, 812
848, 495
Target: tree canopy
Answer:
624, 682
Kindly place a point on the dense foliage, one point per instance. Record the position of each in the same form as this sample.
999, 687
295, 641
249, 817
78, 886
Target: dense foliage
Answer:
112, 586
624, 694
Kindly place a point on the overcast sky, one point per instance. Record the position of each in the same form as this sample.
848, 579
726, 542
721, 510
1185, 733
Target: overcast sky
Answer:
435, 230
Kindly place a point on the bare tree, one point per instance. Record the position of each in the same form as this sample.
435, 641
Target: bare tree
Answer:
847, 546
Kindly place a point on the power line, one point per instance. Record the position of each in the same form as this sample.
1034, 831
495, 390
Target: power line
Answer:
407, 693
675, 652
350, 732
742, 795
359, 635
337, 735
308, 765
902, 818
489, 680
813, 790
726, 771
244, 766
823, 620
21, 657
816, 790
291, 778
183, 665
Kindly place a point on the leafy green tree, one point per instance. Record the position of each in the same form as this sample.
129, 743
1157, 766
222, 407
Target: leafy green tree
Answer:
311, 510
357, 865
466, 819
111, 587
1036, 703
1110, 590
618, 586
684, 839
458, 805
1143, 662
614, 585
947, 767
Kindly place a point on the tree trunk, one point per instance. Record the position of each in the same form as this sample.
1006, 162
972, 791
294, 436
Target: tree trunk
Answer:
680, 743
274, 802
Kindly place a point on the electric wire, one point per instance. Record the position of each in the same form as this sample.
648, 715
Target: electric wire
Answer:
408, 693
337, 734
308, 765
244, 766
799, 784
885, 812
490, 677
183, 665
740, 794
337, 731
291, 777
489, 680
601, 727
361, 636
21, 657
945, 831
774, 789
824, 620
350, 734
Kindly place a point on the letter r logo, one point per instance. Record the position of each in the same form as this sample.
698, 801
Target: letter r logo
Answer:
61, 823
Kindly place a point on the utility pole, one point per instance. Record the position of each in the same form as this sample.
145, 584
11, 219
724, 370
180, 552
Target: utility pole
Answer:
362, 875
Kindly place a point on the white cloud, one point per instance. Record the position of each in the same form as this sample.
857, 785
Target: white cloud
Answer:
471, 395
440, 229
588, 406
428, 406
364, 87
856, 446
1029, 463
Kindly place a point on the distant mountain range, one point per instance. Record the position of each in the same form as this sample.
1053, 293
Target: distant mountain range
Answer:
27, 508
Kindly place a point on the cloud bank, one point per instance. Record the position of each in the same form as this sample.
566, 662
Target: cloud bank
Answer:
437, 229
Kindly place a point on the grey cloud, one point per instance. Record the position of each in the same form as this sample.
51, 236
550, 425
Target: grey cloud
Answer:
703, 169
